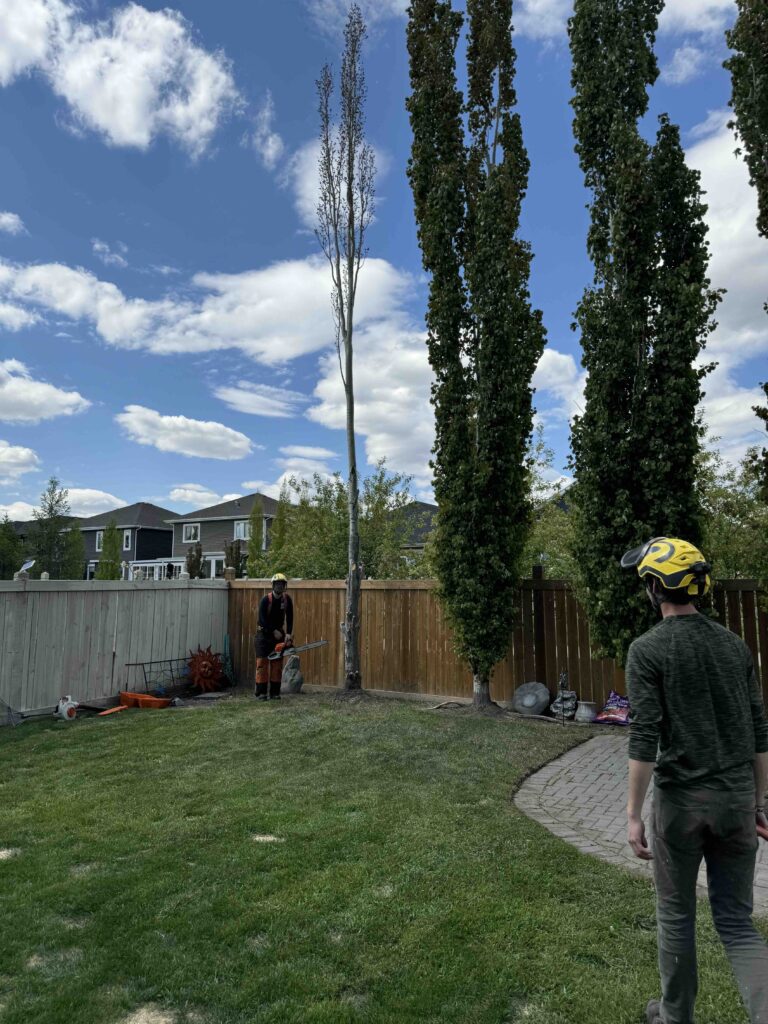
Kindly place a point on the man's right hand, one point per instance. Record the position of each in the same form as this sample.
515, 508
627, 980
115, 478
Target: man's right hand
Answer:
277, 634
637, 839
762, 825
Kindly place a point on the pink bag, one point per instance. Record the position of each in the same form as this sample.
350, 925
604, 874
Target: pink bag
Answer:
616, 710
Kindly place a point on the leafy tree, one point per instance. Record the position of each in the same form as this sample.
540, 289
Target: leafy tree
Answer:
749, 96
484, 340
550, 542
193, 563
309, 533
110, 555
255, 566
735, 539
344, 213
73, 561
643, 322
758, 458
749, 99
11, 550
48, 540
234, 556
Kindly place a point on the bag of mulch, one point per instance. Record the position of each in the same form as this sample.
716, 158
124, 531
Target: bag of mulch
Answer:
616, 710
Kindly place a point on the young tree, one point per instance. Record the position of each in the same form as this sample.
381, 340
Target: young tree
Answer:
48, 541
255, 565
193, 563
484, 339
110, 554
11, 550
234, 556
73, 561
344, 212
643, 322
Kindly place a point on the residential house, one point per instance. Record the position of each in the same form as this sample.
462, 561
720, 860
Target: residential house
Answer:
419, 522
146, 539
216, 525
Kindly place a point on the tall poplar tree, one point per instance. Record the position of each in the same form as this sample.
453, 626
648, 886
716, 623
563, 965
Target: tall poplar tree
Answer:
109, 567
749, 99
643, 322
484, 340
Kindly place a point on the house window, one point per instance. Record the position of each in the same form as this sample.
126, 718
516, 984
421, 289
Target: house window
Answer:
99, 540
126, 540
191, 533
242, 530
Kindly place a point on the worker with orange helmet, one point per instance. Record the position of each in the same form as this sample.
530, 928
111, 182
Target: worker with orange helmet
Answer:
275, 627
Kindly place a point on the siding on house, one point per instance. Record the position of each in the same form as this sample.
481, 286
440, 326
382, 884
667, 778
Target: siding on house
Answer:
213, 536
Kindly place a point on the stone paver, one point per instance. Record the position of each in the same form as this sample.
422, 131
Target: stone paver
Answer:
582, 797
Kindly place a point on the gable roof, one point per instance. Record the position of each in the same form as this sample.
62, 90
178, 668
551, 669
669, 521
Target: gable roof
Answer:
141, 513
237, 508
420, 521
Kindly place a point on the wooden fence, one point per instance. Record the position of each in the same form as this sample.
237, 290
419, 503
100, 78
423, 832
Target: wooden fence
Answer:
407, 647
63, 637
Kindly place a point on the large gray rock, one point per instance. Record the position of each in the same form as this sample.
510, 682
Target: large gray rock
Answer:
293, 680
531, 699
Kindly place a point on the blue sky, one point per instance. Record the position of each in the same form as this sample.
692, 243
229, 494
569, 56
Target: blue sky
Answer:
165, 327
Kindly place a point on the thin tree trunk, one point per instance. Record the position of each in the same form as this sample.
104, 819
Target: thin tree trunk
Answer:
352, 676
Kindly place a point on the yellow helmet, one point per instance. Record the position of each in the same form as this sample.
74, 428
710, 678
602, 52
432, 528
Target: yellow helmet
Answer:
675, 563
279, 577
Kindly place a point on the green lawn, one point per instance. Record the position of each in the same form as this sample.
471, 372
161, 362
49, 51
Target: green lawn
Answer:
404, 886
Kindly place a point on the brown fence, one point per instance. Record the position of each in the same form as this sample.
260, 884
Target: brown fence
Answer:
406, 645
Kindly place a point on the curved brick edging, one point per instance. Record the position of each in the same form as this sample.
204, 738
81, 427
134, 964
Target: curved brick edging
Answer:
581, 797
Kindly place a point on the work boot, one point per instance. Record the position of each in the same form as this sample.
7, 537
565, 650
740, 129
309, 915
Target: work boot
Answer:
275, 696
259, 696
653, 1012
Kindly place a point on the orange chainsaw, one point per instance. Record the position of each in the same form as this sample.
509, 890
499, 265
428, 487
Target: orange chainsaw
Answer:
283, 649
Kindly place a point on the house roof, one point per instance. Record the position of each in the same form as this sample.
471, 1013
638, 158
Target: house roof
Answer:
237, 508
141, 513
420, 520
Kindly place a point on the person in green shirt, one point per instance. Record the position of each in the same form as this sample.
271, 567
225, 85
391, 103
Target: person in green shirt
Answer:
698, 725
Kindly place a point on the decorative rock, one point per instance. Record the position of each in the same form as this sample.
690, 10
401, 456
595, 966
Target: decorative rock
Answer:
564, 705
45, 575
293, 680
530, 699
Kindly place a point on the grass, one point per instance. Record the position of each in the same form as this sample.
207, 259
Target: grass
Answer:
404, 886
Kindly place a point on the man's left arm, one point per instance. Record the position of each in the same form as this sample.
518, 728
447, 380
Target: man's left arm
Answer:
643, 745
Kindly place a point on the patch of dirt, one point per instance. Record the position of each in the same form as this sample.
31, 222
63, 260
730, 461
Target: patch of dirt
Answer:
385, 891
267, 839
75, 923
52, 964
149, 1015
8, 852
259, 943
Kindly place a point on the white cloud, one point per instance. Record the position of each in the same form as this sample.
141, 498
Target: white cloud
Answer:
707, 17
198, 495
542, 19
301, 176
86, 501
261, 399
392, 389
108, 256
131, 77
558, 375
15, 461
267, 143
18, 511
13, 318
687, 63
28, 31
11, 223
300, 451
203, 439
739, 263
331, 15
24, 400
272, 315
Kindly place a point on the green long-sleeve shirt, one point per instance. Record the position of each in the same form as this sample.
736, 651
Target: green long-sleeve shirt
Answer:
697, 710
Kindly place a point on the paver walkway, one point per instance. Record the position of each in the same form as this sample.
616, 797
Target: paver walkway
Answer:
582, 797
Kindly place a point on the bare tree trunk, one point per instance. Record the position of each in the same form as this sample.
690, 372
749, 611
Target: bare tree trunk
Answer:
352, 676
481, 691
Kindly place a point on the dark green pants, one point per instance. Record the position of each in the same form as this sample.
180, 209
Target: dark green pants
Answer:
718, 826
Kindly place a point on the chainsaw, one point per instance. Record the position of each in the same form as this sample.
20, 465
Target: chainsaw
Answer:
281, 650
